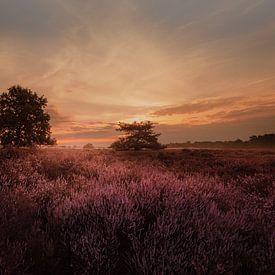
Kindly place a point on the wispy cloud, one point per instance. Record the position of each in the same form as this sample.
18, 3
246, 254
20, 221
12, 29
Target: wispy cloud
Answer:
219, 110
198, 106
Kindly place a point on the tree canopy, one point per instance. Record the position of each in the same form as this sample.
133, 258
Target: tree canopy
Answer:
264, 140
137, 136
23, 119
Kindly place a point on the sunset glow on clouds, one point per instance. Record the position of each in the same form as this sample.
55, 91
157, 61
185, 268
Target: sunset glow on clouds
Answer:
202, 69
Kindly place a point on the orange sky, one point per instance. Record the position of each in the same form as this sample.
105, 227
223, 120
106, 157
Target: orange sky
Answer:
204, 70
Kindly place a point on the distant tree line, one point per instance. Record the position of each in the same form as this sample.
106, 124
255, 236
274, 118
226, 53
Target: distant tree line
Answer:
261, 141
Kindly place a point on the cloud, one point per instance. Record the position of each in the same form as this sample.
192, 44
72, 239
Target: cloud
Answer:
247, 113
33, 19
56, 117
68, 127
218, 110
198, 106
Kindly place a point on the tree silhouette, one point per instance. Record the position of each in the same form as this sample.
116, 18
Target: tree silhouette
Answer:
138, 135
264, 140
88, 146
23, 120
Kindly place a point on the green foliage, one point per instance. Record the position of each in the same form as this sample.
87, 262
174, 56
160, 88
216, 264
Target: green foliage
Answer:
138, 135
23, 120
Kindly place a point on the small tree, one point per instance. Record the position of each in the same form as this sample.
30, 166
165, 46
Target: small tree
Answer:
88, 146
138, 135
23, 120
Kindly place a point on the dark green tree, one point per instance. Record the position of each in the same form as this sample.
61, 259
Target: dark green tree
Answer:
23, 119
137, 136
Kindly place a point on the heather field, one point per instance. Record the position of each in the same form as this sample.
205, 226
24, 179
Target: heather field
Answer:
161, 212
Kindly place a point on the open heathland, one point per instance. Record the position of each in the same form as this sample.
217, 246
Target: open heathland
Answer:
159, 212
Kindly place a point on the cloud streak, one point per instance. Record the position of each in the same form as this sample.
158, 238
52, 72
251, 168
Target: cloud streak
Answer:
220, 110
198, 106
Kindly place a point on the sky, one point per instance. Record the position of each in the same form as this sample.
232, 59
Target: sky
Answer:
201, 69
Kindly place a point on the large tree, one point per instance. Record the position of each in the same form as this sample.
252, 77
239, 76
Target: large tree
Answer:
137, 136
23, 119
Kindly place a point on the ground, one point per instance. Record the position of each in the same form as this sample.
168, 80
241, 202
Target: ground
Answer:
161, 212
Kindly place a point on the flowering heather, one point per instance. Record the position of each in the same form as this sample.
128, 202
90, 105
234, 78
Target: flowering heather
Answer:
104, 212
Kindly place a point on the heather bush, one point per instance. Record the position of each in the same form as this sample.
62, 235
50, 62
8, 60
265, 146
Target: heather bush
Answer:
93, 212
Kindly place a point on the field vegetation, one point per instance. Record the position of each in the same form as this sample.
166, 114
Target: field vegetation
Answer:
166, 212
